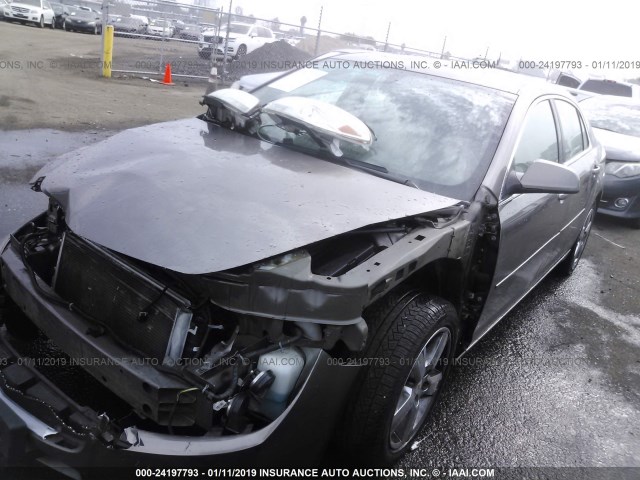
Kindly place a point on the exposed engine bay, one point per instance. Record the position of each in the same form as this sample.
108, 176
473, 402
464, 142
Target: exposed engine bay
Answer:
219, 353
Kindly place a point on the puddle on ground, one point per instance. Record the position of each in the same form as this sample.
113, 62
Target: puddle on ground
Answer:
24, 152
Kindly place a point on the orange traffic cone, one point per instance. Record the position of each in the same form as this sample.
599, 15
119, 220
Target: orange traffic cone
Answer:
167, 75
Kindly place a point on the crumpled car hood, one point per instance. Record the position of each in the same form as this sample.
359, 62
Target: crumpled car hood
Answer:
619, 147
196, 198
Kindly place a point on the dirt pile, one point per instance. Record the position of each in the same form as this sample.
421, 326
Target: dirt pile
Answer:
271, 57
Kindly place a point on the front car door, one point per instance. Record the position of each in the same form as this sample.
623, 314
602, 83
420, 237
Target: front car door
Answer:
530, 223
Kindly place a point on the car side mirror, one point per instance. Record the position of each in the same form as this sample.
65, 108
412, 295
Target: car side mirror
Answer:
544, 176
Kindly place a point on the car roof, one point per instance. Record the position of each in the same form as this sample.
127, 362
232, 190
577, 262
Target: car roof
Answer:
495, 78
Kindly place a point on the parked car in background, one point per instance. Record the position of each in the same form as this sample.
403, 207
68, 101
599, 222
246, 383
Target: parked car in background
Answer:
287, 278
190, 32
243, 39
61, 12
84, 21
38, 12
144, 20
616, 123
126, 26
3, 4
564, 78
87, 9
610, 87
112, 19
160, 28
177, 25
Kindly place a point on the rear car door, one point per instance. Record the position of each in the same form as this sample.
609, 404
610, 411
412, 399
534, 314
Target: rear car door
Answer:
530, 223
578, 154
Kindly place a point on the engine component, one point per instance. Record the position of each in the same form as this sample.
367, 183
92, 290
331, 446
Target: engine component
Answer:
262, 382
286, 365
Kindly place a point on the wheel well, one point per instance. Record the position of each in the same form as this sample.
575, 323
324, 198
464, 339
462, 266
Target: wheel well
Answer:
465, 282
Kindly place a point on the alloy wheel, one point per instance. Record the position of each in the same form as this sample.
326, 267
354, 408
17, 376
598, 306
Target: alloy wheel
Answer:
420, 390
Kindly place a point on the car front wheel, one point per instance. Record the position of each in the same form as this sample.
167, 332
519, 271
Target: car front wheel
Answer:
53, 24
569, 264
407, 359
204, 54
41, 24
95, 30
242, 51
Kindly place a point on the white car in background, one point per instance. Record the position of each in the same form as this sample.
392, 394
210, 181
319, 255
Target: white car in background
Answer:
30, 11
243, 38
160, 28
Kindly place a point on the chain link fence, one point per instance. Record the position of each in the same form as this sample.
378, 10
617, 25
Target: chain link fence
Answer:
151, 34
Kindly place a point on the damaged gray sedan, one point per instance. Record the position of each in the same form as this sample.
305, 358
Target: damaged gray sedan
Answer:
297, 267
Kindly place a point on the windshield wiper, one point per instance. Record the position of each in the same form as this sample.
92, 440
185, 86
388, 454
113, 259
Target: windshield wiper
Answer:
380, 171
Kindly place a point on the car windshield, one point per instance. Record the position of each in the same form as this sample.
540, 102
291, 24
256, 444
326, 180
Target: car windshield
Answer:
160, 23
607, 87
610, 115
235, 28
35, 3
437, 133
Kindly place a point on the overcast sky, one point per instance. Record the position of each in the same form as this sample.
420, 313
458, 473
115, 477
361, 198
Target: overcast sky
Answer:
545, 29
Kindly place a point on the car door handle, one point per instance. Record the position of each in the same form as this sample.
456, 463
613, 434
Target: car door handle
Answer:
562, 196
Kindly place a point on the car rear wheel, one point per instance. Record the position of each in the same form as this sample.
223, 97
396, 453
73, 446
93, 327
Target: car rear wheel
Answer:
406, 361
569, 264
41, 24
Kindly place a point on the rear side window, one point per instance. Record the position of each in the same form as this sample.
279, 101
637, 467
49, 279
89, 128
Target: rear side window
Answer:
572, 134
607, 87
539, 138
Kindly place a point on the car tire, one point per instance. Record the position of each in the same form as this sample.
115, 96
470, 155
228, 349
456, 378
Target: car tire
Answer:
567, 266
390, 402
204, 55
53, 24
95, 30
242, 51
64, 25
635, 223
41, 24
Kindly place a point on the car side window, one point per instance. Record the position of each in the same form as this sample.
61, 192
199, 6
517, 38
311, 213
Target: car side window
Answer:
539, 138
585, 136
572, 131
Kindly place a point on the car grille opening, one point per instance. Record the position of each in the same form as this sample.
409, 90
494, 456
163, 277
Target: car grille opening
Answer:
135, 308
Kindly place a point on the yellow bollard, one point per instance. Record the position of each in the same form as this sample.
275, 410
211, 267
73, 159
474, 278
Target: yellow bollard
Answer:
107, 52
